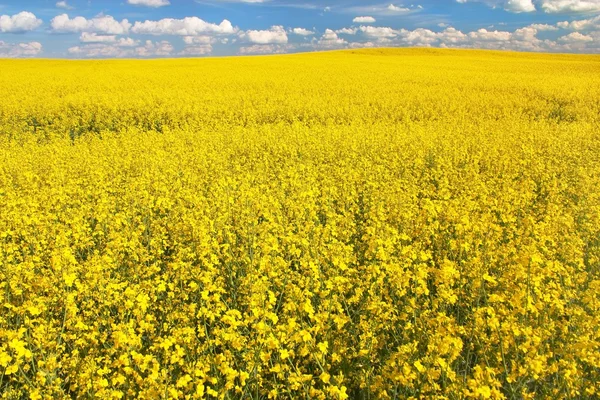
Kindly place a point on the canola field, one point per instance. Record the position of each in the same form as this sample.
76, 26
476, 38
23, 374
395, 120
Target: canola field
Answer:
369, 224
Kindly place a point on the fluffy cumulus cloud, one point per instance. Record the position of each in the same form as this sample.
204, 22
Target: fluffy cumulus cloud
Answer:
329, 40
90, 37
363, 45
302, 32
149, 3
102, 50
418, 37
189, 26
10, 50
451, 36
364, 20
490, 36
274, 35
347, 31
582, 24
575, 37
103, 24
515, 6
19, 23
519, 6
127, 42
543, 27
548, 6
378, 32
557, 6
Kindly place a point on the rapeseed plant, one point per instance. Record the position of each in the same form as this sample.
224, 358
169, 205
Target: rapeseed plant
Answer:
363, 224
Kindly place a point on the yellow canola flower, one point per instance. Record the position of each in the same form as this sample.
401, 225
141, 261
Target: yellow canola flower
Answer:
484, 392
322, 346
5, 359
284, 354
370, 223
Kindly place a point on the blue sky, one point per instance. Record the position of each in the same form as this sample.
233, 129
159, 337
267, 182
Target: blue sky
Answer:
191, 28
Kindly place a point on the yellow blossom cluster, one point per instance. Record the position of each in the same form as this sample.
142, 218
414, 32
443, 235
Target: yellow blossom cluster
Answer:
369, 224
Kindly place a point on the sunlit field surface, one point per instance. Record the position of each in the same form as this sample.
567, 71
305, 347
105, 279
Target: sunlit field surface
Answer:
364, 224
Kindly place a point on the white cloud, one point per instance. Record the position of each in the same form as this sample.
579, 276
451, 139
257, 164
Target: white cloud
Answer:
347, 31
104, 24
543, 27
90, 37
302, 32
120, 49
364, 20
558, 6
548, 6
492, 36
527, 34
329, 35
514, 6
97, 50
198, 40
12, 50
274, 35
358, 45
419, 37
580, 24
64, 5
378, 32
451, 35
62, 23
19, 23
189, 26
575, 37
519, 6
330, 39
149, 3
127, 42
